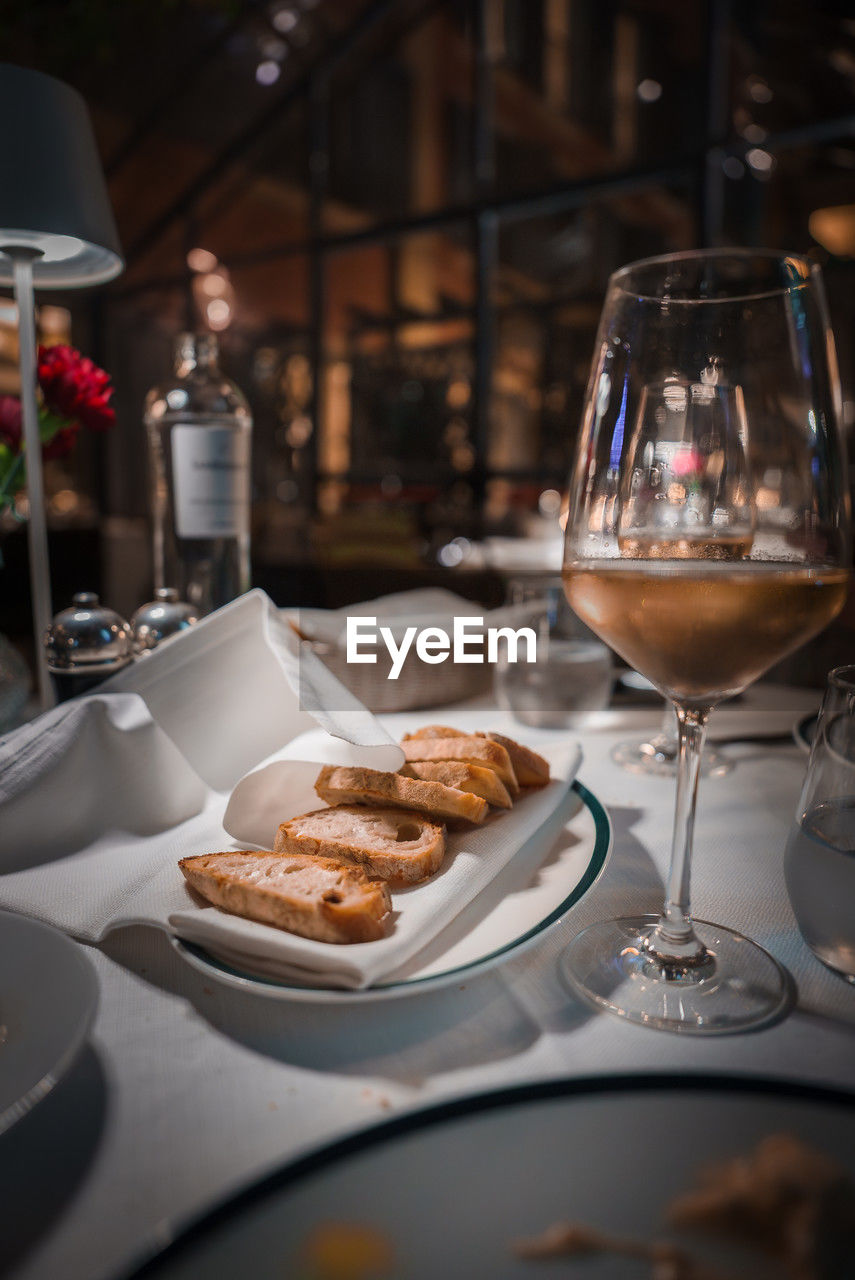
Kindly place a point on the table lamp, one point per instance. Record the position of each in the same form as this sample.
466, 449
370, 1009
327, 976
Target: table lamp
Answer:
56, 232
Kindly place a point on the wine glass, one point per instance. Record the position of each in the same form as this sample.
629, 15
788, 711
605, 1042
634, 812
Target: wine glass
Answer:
707, 537
658, 754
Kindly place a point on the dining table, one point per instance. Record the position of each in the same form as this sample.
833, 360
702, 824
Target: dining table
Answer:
190, 1088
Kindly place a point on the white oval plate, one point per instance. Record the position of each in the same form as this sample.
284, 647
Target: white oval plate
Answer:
48, 995
533, 892
445, 1192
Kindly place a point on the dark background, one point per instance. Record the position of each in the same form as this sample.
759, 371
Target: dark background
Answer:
410, 209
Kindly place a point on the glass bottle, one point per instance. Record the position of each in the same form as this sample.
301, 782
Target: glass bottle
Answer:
199, 433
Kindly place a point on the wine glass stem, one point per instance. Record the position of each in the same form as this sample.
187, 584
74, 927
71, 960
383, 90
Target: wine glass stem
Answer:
666, 740
674, 937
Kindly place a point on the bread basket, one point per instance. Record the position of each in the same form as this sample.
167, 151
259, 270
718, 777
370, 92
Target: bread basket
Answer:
419, 684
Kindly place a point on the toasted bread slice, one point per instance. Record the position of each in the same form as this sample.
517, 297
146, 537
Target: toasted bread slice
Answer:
342, 785
470, 750
435, 731
318, 898
395, 844
531, 769
463, 777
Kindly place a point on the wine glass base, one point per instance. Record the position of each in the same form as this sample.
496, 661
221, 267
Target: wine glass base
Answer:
740, 986
657, 757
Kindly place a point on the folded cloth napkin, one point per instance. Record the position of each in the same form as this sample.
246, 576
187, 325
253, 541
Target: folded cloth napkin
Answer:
100, 796
94, 765
234, 688
282, 788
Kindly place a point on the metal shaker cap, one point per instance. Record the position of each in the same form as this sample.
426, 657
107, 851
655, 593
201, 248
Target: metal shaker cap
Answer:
88, 638
161, 618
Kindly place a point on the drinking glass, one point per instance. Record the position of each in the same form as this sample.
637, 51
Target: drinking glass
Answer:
571, 681
707, 537
819, 863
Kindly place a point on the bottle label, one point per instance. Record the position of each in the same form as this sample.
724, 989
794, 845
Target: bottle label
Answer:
210, 466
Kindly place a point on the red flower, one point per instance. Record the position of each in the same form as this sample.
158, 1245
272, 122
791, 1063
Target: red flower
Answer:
74, 393
97, 414
74, 387
61, 444
10, 422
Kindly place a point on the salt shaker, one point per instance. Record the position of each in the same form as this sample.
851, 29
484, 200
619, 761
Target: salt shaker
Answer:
163, 617
85, 644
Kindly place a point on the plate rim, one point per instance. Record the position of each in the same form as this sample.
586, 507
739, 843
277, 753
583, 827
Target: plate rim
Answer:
802, 740
198, 958
232, 1205
64, 1058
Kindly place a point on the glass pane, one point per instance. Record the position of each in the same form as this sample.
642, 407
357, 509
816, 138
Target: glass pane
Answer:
793, 66
400, 123
803, 197
548, 291
268, 348
580, 88
398, 362
262, 202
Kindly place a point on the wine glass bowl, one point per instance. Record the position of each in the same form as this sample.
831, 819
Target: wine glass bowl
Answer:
707, 537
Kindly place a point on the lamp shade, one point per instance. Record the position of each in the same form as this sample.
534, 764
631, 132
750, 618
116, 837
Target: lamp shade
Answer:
53, 196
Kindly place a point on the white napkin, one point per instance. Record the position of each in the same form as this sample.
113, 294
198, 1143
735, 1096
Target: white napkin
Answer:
95, 765
100, 796
234, 688
281, 789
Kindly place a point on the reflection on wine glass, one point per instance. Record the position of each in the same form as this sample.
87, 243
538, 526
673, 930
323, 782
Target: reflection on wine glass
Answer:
707, 537
658, 755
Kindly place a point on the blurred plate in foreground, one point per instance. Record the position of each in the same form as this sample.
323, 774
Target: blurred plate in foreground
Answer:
48, 994
452, 1190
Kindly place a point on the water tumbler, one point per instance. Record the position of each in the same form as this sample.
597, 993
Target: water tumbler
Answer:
820, 858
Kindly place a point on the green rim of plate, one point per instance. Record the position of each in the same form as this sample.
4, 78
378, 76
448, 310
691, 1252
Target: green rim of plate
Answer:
599, 853
182, 1238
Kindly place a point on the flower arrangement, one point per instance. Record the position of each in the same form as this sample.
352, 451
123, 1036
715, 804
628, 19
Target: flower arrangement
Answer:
73, 393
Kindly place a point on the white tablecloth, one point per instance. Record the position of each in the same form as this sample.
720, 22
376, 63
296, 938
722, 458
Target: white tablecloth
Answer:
189, 1089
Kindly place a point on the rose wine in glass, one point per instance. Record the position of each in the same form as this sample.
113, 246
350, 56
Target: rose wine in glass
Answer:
707, 538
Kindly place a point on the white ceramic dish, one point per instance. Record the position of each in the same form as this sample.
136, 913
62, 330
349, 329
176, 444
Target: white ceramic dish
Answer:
446, 1192
532, 893
48, 995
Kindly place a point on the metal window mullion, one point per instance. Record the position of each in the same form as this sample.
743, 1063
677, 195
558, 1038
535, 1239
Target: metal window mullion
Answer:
485, 231
711, 184
318, 183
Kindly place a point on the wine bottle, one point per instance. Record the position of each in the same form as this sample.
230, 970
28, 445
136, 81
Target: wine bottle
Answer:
199, 433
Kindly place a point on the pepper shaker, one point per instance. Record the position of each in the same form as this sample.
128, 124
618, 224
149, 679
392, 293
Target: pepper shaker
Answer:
163, 617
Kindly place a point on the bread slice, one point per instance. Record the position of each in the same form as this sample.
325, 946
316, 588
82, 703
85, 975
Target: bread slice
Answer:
395, 844
435, 731
318, 898
463, 777
345, 785
471, 750
531, 769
